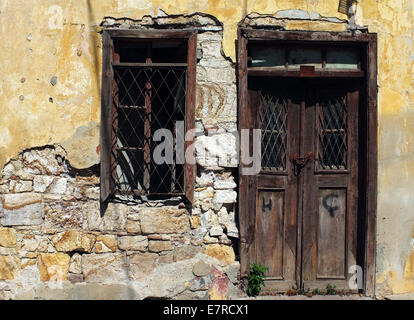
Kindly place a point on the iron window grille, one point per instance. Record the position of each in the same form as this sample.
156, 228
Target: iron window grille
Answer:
148, 84
273, 119
333, 134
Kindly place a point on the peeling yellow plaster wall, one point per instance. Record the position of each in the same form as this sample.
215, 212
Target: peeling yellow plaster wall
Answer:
42, 39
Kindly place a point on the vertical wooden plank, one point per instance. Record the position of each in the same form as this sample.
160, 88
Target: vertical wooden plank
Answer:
353, 187
106, 118
243, 181
372, 165
147, 127
308, 210
269, 233
190, 112
292, 250
254, 108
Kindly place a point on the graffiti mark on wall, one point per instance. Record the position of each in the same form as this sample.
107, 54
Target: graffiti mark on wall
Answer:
267, 206
329, 201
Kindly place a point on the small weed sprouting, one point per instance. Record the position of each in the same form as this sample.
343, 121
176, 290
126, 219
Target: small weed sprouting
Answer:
317, 292
299, 291
256, 279
330, 290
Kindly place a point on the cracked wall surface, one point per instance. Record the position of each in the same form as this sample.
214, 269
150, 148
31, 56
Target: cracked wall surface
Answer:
50, 95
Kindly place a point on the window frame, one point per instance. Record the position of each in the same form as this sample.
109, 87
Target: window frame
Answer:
107, 187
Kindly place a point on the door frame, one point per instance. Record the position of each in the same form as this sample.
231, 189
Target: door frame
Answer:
369, 43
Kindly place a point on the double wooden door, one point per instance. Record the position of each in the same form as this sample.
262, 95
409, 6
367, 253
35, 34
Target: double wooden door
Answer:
303, 204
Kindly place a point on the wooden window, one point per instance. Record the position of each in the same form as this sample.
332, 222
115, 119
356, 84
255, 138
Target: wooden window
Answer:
282, 58
148, 83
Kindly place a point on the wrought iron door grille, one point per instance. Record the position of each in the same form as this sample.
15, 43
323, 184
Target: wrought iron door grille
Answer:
333, 138
273, 118
146, 99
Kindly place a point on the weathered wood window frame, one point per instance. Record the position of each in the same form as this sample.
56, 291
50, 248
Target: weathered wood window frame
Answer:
368, 41
111, 60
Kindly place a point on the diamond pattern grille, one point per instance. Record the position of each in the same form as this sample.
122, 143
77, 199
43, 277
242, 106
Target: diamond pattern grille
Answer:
145, 100
274, 129
333, 129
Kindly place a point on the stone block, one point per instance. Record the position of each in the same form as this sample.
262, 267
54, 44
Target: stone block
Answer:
9, 267
75, 263
203, 194
164, 220
34, 243
53, 266
185, 252
7, 237
131, 243
221, 147
105, 267
159, 246
42, 161
228, 183
195, 222
205, 179
73, 240
63, 214
201, 268
216, 103
142, 264
221, 252
105, 243
216, 231
75, 278
22, 209
232, 271
17, 186
113, 220
133, 226
225, 196
50, 184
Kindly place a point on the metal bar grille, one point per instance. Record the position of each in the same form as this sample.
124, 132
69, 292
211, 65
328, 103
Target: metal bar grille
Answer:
146, 99
273, 118
344, 6
333, 134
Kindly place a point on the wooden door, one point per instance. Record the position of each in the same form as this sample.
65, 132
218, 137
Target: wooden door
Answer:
330, 185
273, 193
303, 203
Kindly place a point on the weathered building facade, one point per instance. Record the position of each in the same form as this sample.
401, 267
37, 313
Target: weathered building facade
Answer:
86, 213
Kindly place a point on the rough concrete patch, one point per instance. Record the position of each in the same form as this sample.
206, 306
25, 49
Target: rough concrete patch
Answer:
82, 147
86, 291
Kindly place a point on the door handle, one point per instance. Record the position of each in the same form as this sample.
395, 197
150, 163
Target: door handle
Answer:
300, 162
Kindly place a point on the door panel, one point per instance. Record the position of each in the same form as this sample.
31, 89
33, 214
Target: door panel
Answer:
303, 203
331, 234
330, 187
269, 231
275, 235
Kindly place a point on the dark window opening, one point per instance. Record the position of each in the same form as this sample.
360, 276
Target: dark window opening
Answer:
290, 57
149, 90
